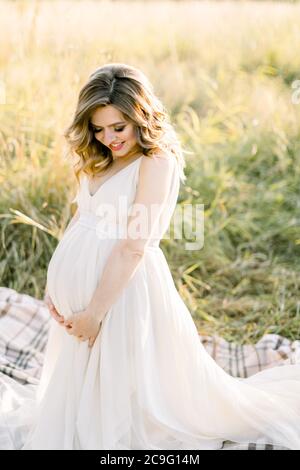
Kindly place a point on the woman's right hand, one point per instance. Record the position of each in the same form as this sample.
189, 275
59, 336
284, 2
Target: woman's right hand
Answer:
54, 313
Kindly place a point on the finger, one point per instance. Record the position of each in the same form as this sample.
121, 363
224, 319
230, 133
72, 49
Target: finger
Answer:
53, 309
70, 331
57, 318
55, 313
73, 332
68, 322
47, 298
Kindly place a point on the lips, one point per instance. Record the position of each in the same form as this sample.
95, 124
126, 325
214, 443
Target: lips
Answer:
116, 147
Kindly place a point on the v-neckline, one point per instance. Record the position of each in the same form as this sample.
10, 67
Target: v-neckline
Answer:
106, 181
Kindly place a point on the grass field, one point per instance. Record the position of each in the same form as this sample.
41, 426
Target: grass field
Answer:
227, 72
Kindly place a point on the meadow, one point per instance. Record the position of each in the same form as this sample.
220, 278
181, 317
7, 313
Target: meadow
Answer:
228, 73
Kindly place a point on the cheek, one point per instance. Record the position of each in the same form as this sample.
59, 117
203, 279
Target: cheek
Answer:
130, 135
98, 137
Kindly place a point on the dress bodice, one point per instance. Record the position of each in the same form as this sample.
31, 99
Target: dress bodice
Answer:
107, 210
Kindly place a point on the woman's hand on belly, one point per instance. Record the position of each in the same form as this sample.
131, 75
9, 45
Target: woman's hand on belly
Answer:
54, 313
85, 325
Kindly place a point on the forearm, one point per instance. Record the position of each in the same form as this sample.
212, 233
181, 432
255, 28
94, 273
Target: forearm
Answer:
120, 267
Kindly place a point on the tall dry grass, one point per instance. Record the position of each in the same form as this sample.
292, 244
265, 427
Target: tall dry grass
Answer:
225, 73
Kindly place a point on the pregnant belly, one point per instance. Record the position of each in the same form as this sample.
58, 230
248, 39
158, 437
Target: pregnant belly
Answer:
75, 268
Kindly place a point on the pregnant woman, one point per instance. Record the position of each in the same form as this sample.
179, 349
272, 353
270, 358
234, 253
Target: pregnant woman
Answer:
124, 367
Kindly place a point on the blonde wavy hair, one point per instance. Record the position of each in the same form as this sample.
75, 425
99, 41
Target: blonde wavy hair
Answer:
128, 90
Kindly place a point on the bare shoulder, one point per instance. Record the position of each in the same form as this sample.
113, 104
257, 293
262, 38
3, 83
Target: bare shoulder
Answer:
161, 161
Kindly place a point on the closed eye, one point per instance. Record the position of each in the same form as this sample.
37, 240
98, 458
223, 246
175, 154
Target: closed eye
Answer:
99, 130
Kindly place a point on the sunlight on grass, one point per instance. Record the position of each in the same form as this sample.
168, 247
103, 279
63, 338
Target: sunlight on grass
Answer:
225, 73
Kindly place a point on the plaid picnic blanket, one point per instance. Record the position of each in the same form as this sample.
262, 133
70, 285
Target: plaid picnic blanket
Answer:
24, 326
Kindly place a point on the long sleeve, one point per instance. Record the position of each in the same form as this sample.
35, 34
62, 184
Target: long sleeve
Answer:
152, 190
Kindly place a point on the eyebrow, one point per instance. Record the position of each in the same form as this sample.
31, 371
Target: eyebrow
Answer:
114, 124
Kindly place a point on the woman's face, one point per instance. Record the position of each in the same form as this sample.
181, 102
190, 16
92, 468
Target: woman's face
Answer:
110, 127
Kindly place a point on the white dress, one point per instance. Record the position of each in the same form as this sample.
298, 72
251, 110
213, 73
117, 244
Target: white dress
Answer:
148, 382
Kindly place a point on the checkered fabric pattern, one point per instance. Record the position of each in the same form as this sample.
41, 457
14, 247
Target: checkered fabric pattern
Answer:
24, 325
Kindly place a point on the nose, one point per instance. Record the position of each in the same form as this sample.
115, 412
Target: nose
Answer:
109, 138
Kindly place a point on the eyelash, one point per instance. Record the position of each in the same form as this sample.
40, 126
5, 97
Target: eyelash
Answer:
117, 130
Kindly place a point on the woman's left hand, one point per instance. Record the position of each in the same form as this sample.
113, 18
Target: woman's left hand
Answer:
85, 325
